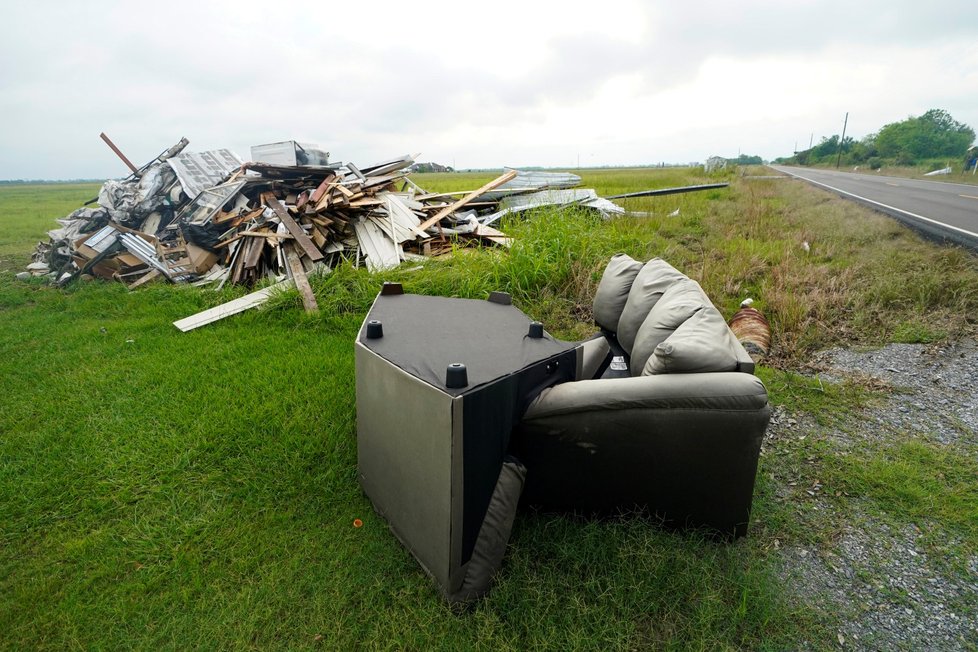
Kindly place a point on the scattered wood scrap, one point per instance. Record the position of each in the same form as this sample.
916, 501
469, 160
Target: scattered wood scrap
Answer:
240, 304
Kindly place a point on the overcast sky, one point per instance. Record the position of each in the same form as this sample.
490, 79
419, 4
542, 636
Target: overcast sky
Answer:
471, 84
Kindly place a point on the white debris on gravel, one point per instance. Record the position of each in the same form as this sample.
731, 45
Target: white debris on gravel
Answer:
889, 593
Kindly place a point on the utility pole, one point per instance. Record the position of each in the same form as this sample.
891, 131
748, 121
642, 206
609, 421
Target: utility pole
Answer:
811, 139
844, 125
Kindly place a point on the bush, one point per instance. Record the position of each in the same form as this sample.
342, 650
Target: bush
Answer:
874, 163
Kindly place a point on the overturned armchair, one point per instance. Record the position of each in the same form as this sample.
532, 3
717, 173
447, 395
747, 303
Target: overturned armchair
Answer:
658, 412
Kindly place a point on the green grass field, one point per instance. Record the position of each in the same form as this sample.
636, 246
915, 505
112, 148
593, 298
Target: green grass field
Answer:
176, 490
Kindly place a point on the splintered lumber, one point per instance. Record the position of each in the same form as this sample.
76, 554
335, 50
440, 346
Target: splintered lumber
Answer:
301, 282
146, 278
241, 304
321, 188
448, 210
308, 246
346, 191
254, 253
119, 153
267, 234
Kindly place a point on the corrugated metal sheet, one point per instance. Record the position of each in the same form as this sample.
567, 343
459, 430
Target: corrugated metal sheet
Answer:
198, 171
530, 181
580, 196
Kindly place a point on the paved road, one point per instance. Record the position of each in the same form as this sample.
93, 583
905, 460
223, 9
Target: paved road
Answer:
940, 209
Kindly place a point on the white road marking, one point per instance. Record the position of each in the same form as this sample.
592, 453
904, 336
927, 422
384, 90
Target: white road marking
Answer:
968, 196
882, 205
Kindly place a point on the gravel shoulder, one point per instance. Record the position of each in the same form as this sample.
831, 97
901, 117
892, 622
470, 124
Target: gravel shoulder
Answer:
879, 574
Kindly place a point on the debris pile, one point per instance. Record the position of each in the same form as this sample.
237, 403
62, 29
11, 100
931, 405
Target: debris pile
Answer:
209, 218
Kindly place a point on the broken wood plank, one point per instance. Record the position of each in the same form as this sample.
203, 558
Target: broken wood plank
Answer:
308, 247
346, 191
258, 234
146, 278
241, 304
256, 245
318, 237
366, 202
119, 153
301, 281
445, 212
228, 217
321, 188
268, 234
438, 195
323, 202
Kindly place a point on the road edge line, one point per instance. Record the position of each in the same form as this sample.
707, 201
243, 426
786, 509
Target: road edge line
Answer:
886, 208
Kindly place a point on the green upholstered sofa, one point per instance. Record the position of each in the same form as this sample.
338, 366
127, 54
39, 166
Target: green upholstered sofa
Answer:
665, 416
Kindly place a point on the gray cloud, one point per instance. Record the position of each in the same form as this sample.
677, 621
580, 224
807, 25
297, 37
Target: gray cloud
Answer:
235, 74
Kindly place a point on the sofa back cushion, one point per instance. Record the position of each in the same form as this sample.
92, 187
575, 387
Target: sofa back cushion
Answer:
701, 343
655, 278
677, 304
613, 290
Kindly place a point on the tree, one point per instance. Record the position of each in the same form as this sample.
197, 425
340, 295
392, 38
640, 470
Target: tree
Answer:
746, 159
935, 134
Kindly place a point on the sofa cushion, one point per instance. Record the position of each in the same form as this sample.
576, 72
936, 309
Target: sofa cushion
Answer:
701, 343
613, 290
655, 278
677, 304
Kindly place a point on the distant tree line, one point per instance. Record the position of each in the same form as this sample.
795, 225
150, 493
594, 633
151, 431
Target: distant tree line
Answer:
746, 159
932, 137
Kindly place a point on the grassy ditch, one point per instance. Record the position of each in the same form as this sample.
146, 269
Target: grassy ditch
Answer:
162, 489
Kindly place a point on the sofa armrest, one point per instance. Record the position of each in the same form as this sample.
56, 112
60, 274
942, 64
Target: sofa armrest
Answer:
745, 363
684, 447
706, 391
